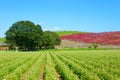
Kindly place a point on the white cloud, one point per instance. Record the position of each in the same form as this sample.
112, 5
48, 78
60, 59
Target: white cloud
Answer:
56, 28
52, 29
45, 29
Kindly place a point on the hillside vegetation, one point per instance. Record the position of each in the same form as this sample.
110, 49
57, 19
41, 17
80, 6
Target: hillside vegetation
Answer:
62, 33
2, 39
99, 38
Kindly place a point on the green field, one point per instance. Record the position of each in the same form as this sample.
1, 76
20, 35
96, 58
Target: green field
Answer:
60, 65
2, 39
62, 33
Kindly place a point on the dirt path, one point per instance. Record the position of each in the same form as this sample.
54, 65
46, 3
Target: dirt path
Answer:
25, 75
58, 75
41, 75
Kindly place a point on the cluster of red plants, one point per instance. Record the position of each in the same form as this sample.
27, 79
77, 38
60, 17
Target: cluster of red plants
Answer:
99, 38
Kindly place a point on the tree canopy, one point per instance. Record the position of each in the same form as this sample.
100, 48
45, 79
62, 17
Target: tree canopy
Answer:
28, 36
50, 39
25, 34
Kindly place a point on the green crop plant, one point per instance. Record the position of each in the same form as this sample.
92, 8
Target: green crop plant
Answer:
60, 65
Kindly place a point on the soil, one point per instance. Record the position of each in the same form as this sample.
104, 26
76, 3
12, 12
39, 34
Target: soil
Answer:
41, 75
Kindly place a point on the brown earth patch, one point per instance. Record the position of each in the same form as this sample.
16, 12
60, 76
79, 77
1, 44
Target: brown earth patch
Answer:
41, 75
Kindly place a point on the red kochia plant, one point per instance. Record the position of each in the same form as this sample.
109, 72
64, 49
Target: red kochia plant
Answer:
99, 38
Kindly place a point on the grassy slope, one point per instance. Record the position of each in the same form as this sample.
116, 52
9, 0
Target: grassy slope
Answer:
61, 33
2, 39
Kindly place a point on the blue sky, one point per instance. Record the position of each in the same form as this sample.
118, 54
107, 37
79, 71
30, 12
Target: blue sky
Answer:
79, 15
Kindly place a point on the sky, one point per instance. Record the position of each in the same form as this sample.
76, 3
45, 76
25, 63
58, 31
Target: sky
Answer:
59, 15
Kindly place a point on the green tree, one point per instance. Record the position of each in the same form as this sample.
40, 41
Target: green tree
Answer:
57, 39
94, 45
25, 35
50, 39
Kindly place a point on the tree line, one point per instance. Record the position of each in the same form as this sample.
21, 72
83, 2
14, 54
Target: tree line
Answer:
25, 35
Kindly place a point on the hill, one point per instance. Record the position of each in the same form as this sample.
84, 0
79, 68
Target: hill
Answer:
62, 33
99, 38
2, 39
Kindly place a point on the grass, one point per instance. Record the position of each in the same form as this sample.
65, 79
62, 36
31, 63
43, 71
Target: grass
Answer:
2, 39
62, 33
66, 49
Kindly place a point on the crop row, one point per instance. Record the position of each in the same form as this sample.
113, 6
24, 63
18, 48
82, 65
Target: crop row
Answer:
60, 65
103, 64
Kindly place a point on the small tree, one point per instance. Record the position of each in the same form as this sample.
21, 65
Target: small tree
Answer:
50, 39
95, 45
89, 46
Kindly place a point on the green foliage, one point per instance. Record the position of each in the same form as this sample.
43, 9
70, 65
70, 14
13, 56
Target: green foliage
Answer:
2, 39
50, 69
62, 33
25, 35
89, 46
50, 39
60, 65
28, 36
94, 45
